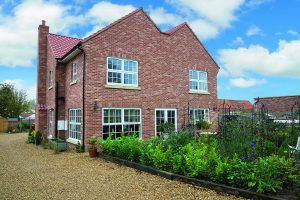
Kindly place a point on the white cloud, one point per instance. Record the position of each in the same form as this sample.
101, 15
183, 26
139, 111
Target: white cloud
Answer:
292, 32
208, 18
20, 85
161, 17
104, 13
254, 30
18, 31
244, 83
284, 61
238, 41
255, 3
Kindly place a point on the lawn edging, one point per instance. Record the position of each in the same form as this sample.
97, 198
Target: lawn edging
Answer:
203, 183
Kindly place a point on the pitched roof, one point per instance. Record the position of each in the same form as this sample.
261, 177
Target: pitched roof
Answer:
235, 104
61, 45
172, 30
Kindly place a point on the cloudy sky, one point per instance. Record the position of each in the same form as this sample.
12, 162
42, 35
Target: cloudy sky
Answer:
255, 42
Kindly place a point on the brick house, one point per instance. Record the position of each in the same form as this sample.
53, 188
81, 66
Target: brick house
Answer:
127, 77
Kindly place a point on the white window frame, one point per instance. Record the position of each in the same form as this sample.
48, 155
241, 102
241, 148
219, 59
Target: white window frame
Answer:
74, 74
71, 138
165, 117
122, 72
50, 133
202, 109
122, 119
198, 81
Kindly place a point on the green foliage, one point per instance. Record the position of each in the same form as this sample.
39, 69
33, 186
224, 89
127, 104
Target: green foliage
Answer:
12, 101
79, 148
56, 148
38, 135
166, 128
181, 154
125, 147
268, 174
202, 125
30, 137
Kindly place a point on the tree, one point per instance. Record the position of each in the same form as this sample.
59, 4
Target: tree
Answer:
12, 101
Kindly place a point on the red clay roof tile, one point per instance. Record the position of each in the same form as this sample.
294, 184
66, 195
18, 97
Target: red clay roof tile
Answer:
235, 104
61, 45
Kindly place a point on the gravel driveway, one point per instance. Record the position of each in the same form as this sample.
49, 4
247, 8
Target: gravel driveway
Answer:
30, 172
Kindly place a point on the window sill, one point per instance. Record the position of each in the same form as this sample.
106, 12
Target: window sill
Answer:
49, 137
199, 92
73, 141
123, 87
49, 88
73, 82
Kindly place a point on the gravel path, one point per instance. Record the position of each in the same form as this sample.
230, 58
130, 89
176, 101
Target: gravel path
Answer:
30, 172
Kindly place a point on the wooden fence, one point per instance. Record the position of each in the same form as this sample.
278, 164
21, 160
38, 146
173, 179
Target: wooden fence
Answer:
3, 125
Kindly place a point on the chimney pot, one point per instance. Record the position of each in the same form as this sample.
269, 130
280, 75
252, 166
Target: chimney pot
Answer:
43, 22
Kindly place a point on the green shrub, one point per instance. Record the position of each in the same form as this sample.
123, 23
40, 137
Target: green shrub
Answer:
203, 125
181, 154
30, 137
79, 148
268, 174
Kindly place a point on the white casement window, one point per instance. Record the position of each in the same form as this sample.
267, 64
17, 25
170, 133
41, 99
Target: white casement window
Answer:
50, 134
75, 124
121, 120
198, 114
74, 72
198, 81
164, 115
51, 78
122, 72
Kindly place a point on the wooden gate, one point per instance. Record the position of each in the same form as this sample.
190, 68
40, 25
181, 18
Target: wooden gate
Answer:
3, 125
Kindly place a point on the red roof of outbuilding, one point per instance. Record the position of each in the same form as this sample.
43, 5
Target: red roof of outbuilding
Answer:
235, 104
61, 45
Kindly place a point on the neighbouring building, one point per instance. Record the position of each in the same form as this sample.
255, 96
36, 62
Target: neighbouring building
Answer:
128, 77
280, 106
235, 105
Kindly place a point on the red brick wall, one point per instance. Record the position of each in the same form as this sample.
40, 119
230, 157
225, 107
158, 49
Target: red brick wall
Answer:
163, 74
73, 92
41, 115
164, 63
50, 95
279, 104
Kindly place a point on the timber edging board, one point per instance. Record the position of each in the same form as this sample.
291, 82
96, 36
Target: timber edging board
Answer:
203, 183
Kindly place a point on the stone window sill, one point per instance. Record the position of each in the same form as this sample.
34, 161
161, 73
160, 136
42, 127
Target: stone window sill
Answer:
73, 141
196, 92
73, 82
49, 88
123, 87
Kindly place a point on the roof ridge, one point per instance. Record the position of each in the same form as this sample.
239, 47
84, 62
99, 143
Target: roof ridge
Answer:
174, 29
64, 36
232, 100
112, 24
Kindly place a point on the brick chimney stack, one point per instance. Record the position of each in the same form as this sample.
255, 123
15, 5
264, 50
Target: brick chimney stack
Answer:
41, 111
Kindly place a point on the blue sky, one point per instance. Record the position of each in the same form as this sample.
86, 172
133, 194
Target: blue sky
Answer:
255, 42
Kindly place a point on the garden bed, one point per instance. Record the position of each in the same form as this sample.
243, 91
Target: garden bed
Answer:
203, 183
199, 162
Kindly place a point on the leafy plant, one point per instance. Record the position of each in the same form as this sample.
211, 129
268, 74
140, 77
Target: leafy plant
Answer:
30, 137
38, 136
92, 141
203, 125
56, 148
79, 148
